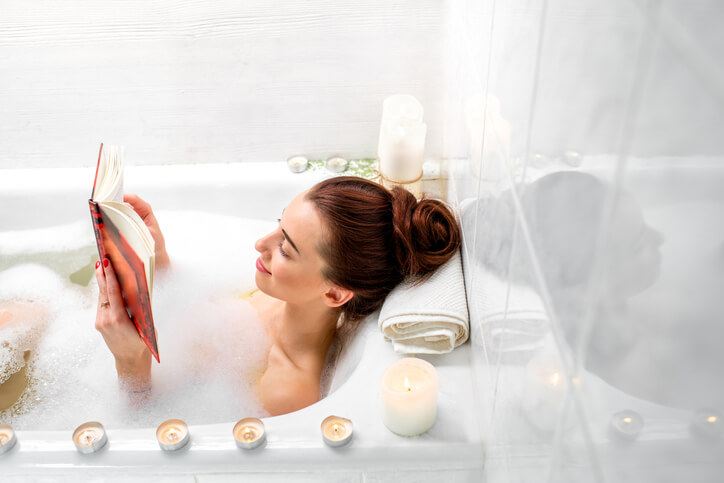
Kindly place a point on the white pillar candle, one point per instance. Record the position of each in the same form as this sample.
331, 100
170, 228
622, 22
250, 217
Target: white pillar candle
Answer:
401, 147
544, 392
409, 396
489, 135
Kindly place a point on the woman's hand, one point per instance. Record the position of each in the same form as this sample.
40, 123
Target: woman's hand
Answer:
144, 211
133, 359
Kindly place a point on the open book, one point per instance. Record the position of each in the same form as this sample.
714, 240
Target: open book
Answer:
123, 238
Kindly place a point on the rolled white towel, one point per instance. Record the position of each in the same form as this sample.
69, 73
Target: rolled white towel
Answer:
430, 317
512, 319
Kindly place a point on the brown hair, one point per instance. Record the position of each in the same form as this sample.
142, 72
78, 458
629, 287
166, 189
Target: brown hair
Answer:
375, 238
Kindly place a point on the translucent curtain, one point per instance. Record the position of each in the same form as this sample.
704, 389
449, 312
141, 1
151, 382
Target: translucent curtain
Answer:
588, 165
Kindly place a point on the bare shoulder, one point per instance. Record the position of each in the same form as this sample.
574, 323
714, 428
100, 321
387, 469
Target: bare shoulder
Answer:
284, 387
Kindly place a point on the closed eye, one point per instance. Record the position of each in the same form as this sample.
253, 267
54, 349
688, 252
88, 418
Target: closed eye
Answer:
281, 250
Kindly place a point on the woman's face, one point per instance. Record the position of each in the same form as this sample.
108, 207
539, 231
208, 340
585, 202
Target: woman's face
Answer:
635, 249
289, 267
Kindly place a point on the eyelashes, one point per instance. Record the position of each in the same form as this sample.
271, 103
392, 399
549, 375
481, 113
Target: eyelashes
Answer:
281, 249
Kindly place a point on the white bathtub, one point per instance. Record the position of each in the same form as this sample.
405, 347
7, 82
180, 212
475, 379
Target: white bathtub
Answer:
451, 451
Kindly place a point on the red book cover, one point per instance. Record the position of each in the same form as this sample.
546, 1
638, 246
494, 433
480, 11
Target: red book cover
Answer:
130, 271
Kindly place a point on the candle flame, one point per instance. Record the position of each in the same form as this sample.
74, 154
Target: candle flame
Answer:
555, 378
172, 434
627, 420
248, 434
87, 437
407, 384
712, 419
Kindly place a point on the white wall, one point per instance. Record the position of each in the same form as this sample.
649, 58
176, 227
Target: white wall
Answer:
210, 81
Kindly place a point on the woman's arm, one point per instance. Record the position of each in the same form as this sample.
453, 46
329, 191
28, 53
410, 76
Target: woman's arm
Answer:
133, 359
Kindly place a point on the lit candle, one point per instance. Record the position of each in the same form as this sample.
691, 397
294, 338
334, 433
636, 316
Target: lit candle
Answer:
627, 424
249, 433
409, 396
337, 431
336, 164
297, 164
544, 392
89, 437
172, 434
572, 158
708, 423
7, 438
401, 146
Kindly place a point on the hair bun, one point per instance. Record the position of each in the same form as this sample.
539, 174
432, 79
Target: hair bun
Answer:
426, 234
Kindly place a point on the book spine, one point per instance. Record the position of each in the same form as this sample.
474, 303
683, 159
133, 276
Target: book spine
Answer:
97, 220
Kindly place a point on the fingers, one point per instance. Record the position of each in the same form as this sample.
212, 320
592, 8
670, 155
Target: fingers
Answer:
113, 289
101, 278
139, 205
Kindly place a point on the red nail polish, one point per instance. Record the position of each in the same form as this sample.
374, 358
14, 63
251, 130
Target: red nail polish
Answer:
98, 263
105, 262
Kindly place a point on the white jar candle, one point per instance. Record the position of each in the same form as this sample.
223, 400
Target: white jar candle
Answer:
409, 396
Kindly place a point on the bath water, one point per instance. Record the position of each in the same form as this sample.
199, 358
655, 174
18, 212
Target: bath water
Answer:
211, 344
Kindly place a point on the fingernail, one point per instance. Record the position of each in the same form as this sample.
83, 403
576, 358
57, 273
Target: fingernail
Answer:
105, 263
98, 263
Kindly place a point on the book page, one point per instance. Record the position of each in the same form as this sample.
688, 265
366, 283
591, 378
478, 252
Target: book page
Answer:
110, 175
136, 233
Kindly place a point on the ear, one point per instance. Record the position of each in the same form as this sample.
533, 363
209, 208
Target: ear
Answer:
337, 296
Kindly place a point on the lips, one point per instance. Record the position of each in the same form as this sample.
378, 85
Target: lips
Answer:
260, 266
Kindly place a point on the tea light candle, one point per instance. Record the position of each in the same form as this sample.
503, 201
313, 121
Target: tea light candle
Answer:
297, 164
336, 164
7, 438
409, 396
572, 158
708, 423
249, 433
336, 431
89, 437
172, 435
627, 424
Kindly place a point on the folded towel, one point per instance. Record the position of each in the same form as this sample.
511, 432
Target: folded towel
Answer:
510, 318
430, 317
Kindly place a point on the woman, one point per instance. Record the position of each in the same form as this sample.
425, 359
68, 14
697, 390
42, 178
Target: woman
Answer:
339, 249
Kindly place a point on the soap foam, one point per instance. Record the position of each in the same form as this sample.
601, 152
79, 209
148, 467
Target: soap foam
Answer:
212, 345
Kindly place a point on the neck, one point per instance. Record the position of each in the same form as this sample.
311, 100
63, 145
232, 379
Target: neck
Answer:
304, 326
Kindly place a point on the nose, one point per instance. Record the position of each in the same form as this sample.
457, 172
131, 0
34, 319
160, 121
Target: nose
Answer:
262, 244
657, 238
